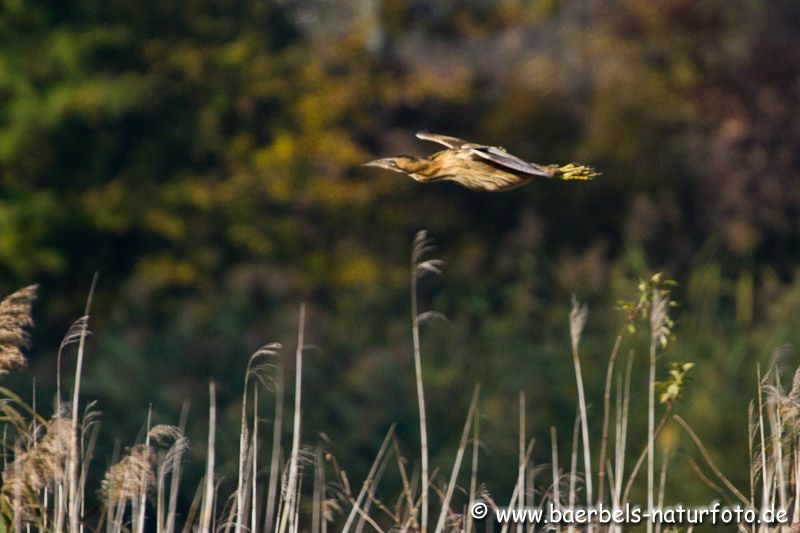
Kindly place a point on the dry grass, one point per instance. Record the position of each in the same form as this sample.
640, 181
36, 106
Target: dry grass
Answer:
15, 317
48, 459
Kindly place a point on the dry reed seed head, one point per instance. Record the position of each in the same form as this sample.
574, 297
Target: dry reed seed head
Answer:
262, 367
22, 476
129, 477
780, 356
429, 316
422, 245
21, 486
43, 463
56, 443
266, 352
168, 461
454, 522
789, 413
13, 418
420, 238
163, 433
433, 266
794, 393
15, 316
305, 456
577, 321
78, 329
789, 404
270, 375
660, 322
484, 494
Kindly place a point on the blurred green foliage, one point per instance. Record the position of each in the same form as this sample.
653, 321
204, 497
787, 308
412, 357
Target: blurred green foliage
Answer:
204, 157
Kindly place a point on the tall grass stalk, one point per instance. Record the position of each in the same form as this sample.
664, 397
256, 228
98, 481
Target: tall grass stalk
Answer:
292, 484
573, 469
74, 498
175, 470
318, 497
364, 512
622, 431
473, 478
521, 455
601, 463
274, 463
142, 485
796, 515
356, 504
409, 522
515, 495
556, 474
451, 485
763, 448
661, 485
422, 245
209, 487
254, 466
244, 452
577, 321
657, 316
710, 462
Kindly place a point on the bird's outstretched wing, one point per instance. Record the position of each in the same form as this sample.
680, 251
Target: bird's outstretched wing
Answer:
500, 157
496, 155
451, 142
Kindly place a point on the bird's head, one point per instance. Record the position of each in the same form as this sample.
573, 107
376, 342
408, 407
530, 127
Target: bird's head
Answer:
401, 163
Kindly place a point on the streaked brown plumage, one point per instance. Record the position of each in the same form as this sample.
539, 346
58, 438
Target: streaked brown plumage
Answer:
476, 166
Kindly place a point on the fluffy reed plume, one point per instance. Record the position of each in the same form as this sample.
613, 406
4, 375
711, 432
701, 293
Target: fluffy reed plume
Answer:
15, 316
133, 473
42, 465
788, 403
164, 433
168, 462
577, 321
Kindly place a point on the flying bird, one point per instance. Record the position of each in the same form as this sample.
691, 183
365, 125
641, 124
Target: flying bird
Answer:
477, 166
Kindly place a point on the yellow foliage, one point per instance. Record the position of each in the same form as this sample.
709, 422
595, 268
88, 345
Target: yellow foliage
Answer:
106, 206
165, 270
164, 223
357, 271
250, 238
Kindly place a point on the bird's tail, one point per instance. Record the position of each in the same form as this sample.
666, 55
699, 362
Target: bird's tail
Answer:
576, 172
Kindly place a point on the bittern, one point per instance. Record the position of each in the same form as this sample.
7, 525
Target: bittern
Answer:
477, 166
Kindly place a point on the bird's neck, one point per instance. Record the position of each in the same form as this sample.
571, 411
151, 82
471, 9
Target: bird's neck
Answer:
410, 164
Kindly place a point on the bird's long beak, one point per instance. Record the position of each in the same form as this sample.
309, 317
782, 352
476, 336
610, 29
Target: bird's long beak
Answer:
387, 163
